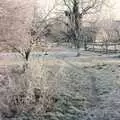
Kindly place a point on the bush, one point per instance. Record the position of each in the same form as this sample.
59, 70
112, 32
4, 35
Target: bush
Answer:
27, 92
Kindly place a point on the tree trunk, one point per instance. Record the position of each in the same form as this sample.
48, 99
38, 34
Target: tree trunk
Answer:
78, 50
27, 54
106, 48
85, 45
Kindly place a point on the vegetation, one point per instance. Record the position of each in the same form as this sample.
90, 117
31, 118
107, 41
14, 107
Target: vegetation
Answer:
51, 83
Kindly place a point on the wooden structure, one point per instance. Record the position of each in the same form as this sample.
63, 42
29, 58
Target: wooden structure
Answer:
104, 47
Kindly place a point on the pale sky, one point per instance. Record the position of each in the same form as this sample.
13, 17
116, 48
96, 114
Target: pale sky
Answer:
114, 11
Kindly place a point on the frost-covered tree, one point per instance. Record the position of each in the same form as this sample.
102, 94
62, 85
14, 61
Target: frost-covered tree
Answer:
15, 22
75, 12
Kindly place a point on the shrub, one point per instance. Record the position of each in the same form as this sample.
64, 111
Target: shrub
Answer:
27, 92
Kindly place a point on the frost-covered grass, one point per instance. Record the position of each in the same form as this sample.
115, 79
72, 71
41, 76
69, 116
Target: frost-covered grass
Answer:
79, 88
32, 91
89, 93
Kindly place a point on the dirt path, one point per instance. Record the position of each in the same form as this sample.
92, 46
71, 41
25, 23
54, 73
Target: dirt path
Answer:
94, 93
85, 92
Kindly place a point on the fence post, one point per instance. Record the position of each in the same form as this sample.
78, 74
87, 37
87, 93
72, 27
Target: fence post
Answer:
106, 46
93, 47
115, 49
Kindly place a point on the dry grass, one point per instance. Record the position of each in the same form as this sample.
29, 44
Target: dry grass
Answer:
32, 91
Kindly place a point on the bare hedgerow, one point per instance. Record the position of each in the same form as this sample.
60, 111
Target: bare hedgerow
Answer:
27, 92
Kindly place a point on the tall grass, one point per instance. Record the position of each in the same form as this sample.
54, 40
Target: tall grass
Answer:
32, 91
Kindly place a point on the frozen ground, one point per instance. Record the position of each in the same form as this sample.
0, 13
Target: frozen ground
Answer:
88, 87
89, 92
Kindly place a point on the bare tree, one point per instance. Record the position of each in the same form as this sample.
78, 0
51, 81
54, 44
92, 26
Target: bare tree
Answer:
76, 11
42, 21
116, 28
15, 21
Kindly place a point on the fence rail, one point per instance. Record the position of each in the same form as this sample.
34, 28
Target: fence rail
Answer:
104, 47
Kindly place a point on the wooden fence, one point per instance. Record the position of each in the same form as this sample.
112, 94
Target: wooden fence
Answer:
104, 47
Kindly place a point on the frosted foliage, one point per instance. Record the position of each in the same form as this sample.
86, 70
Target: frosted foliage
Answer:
15, 21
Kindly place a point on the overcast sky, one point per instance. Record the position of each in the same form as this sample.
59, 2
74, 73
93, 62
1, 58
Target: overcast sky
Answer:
114, 11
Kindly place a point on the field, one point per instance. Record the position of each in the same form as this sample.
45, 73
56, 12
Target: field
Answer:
85, 87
